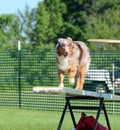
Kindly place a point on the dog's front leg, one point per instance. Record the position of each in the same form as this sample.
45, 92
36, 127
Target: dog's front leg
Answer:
61, 78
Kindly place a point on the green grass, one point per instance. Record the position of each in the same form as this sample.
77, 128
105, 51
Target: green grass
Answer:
22, 119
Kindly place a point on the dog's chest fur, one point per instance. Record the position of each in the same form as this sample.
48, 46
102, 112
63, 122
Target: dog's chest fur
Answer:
63, 63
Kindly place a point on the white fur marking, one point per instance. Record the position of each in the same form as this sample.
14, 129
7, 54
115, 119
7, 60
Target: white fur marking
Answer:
63, 63
61, 85
72, 81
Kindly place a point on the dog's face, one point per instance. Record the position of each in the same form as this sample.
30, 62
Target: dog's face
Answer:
65, 47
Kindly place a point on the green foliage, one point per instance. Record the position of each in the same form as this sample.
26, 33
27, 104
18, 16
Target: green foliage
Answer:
28, 20
104, 24
9, 31
42, 24
79, 19
75, 18
49, 21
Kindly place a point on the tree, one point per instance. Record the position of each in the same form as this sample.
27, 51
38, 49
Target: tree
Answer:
49, 21
79, 19
75, 18
28, 21
42, 24
104, 23
9, 31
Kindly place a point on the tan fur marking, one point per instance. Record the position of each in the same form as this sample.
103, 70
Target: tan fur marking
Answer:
60, 51
69, 38
71, 50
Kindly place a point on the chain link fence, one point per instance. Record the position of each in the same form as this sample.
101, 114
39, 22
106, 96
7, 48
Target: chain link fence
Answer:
22, 70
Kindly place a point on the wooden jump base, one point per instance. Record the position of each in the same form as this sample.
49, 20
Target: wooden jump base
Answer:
104, 41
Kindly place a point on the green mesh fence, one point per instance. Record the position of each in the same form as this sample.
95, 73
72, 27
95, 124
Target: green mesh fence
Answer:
21, 71
8, 80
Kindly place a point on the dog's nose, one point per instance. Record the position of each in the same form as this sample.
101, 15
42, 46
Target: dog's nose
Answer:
65, 54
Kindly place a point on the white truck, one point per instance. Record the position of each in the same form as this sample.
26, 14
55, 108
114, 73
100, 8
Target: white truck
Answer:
101, 80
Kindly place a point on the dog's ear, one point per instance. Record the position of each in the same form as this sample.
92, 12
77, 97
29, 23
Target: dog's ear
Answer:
59, 39
69, 38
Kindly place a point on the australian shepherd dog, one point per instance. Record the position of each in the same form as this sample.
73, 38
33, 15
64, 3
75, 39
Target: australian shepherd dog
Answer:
73, 58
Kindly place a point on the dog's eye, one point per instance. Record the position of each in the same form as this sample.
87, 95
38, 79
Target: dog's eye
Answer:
61, 45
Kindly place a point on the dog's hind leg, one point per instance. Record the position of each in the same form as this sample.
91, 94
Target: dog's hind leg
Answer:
81, 78
72, 74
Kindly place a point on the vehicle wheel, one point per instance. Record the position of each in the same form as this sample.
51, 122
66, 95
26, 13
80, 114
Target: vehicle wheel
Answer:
100, 88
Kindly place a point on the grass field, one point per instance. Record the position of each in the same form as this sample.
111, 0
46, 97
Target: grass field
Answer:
22, 119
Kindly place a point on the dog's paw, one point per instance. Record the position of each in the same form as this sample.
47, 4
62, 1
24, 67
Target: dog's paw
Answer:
72, 81
78, 88
61, 86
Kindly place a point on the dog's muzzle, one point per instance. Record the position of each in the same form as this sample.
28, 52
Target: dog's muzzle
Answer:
65, 54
